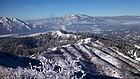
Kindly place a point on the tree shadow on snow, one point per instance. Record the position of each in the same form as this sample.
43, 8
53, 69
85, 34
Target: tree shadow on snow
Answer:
12, 61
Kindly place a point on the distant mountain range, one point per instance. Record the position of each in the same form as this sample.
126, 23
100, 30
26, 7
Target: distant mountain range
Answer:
124, 27
75, 23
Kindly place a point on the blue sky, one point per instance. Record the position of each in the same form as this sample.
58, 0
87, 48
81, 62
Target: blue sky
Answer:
36, 9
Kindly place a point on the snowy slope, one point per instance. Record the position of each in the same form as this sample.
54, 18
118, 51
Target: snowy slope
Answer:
102, 60
106, 60
82, 60
13, 25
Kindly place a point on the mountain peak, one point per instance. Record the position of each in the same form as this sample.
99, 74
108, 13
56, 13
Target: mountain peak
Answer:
13, 25
7, 19
76, 16
4, 19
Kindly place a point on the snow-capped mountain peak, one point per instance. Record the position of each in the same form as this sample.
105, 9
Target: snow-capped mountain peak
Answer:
59, 33
76, 17
13, 25
4, 19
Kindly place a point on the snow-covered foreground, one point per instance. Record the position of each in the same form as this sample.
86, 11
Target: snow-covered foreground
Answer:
83, 60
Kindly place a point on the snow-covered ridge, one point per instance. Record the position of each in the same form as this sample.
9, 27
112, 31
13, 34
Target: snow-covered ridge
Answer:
60, 34
75, 17
12, 25
105, 59
54, 34
83, 58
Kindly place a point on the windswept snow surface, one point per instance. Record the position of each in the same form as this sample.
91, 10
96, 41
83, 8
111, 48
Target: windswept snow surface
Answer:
83, 60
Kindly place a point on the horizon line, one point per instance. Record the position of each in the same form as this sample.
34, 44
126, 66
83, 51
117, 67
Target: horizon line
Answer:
47, 17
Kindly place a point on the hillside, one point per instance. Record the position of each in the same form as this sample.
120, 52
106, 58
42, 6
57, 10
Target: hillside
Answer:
86, 56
